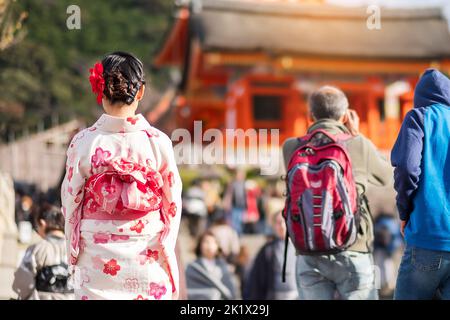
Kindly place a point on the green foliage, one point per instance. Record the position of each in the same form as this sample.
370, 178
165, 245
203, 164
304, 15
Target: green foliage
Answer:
47, 72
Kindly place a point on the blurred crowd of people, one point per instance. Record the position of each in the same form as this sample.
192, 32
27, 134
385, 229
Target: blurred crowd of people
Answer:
218, 217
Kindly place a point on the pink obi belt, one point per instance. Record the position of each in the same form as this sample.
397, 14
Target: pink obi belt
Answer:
128, 191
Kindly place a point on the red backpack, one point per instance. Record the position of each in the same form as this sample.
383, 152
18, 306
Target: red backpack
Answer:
322, 204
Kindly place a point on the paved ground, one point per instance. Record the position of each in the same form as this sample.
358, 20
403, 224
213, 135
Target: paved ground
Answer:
187, 246
12, 257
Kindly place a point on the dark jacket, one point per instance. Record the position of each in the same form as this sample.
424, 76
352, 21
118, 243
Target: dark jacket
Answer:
264, 278
369, 167
421, 160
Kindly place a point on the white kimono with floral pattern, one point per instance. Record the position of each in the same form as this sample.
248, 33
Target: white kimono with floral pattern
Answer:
121, 197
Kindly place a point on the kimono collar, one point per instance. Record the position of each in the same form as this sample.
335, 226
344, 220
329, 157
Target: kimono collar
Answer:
120, 125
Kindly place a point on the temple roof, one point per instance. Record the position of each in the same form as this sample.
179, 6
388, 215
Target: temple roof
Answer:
319, 29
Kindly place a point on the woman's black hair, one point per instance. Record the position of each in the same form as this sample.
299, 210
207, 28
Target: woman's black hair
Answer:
52, 216
124, 75
198, 247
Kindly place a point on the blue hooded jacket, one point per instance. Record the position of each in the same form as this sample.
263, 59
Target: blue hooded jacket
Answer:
421, 157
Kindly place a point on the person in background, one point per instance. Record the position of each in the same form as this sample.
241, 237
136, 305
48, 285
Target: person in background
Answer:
209, 277
421, 160
213, 201
121, 194
227, 238
264, 280
235, 200
43, 273
194, 207
24, 218
251, 216
387, 244
262, 226
320, 276
242, 266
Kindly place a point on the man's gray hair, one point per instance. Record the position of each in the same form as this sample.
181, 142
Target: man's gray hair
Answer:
328, 102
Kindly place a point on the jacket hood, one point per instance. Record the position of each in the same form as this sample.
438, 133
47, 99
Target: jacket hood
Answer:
330, 125
432, 88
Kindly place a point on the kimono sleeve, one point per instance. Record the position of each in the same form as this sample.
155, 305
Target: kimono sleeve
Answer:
72, 190
171, 192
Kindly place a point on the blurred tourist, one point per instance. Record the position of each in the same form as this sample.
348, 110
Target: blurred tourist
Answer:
195, 210
251, 215
209, 277
43, 273
264, 281
387, 244
227, 238
235, 200
242, 266
24, 218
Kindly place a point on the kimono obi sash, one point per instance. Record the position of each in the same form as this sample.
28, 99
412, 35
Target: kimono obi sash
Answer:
125, 191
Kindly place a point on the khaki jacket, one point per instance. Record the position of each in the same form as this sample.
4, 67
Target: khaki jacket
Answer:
369, 167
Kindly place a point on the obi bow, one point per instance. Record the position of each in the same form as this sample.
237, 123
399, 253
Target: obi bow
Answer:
125, 187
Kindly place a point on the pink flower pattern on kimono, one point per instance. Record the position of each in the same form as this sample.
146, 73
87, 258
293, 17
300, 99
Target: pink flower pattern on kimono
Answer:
78, 199
70, 175
132, 120
109, 189
157, 290
91, 206
148, 255
131, 284
78, 136
138, 227
157, 172
118, 237
111, 267
100, 157
151, 132
101, 237
84, 298
82, 244
75, 216
170, 179
153, 200
173, 209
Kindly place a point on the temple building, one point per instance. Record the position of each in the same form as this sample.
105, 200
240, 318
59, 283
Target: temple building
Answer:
251, 64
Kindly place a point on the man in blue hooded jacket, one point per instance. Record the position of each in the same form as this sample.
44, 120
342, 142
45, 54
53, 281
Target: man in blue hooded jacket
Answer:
421, 157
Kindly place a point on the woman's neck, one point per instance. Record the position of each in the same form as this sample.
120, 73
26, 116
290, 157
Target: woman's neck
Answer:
56, 233
123, 111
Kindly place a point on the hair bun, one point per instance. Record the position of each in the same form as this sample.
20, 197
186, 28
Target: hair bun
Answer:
124, 75
117, 87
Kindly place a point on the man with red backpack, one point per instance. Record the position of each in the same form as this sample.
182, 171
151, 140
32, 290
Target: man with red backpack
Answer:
327, 214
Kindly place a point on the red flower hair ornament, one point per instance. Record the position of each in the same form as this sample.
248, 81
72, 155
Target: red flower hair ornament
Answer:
97, 81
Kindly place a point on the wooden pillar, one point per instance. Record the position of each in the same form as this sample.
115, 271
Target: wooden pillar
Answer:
373, 118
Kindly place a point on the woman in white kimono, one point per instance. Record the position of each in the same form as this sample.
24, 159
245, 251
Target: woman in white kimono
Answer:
121, 195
